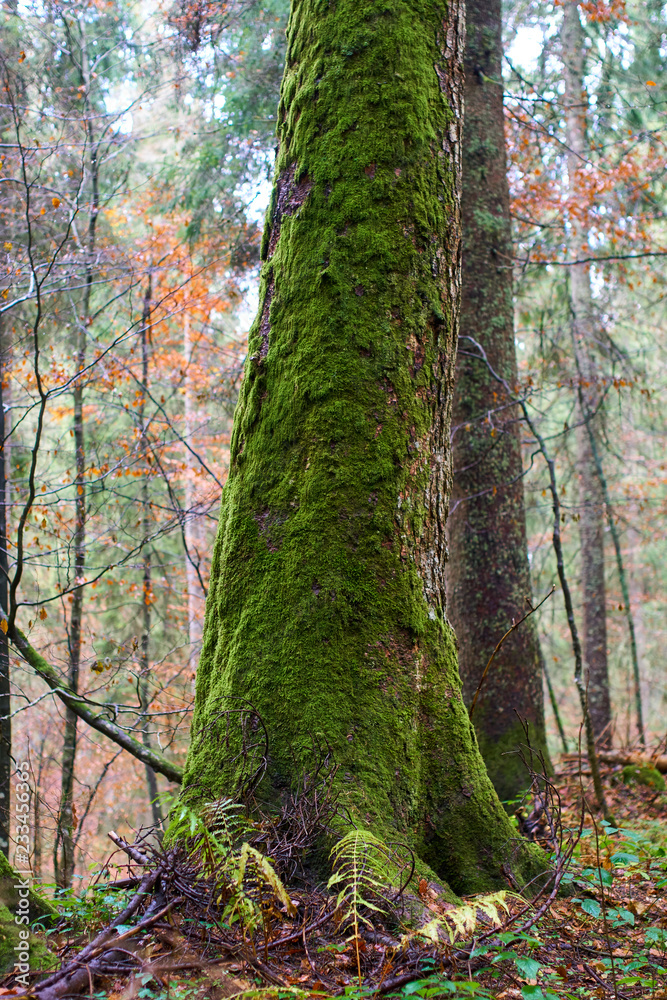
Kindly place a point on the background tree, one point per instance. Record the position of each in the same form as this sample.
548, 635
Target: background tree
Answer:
591, 507
488, 577
586, 179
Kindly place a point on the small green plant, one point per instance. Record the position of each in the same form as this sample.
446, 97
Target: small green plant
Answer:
364, 871
93, 909
363, 874
244, 878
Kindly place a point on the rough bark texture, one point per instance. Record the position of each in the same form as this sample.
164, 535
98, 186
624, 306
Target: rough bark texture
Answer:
591, 509
326, 603
488, 577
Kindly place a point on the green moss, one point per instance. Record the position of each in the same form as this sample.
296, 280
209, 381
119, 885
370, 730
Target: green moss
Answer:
40, 958
12, 886
635, 774
326, 604
40, 908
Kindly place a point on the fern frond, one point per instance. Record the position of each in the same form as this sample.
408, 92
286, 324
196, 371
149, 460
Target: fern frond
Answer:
209, 836
460, 922
265, 870
364, 872
248, 871
226, 821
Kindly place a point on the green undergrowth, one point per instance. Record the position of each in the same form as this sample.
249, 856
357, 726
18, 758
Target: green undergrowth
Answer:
614, 921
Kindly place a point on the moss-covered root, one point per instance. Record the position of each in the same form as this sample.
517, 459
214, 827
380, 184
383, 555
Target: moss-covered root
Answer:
20, 906
326, 604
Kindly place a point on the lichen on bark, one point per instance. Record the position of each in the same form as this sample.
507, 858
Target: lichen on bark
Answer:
326, 604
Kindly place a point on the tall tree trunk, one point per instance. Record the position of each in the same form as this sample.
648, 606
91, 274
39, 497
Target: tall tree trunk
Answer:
488, 576
6, 764
325, 608
591, 505
193, 532
638, 602
147, 587
63, 850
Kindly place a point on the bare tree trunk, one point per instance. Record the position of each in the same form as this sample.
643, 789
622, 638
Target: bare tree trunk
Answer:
63, 851
144, 672
37, 814
591, 501
193, 527
637, 601
37, 836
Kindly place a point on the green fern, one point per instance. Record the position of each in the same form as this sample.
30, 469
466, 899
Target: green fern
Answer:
364, 869
209, 837
244, 880
226, 821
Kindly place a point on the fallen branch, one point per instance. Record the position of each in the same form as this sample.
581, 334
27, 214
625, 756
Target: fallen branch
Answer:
65, 981
631, 757
132, 852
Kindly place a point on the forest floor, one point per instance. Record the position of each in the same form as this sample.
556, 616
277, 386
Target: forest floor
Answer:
603, 935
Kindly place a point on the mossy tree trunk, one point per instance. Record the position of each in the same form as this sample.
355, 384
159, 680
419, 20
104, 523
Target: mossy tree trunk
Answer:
488, 577
326, 603
585, 339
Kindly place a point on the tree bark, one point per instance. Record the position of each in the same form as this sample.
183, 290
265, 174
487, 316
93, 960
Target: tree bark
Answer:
325, 608
591, 505
488, 576
63, 848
